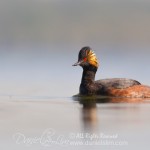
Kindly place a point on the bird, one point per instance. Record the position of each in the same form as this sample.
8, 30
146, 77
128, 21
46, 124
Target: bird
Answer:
112, 87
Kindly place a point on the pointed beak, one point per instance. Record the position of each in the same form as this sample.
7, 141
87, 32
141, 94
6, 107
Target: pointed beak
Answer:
77, 63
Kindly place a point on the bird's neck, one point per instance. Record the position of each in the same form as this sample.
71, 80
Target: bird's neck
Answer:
88, 75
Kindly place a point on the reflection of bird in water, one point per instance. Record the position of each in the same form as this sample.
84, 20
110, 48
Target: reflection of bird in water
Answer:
115, 87
89, 117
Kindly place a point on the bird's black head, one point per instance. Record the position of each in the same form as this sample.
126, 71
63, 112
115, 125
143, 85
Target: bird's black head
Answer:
87, 57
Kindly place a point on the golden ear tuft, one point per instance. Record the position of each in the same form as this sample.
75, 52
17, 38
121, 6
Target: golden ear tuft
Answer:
92, 59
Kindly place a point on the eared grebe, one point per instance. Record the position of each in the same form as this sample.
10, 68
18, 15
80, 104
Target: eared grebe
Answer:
115, 87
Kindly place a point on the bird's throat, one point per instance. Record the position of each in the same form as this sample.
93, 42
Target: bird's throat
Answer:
88, 75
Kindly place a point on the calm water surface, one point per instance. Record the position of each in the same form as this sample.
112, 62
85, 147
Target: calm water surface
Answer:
74, 123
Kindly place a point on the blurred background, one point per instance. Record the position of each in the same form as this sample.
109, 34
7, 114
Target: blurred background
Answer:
40, 40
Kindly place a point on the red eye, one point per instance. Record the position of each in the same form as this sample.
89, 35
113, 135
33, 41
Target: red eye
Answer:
85, 59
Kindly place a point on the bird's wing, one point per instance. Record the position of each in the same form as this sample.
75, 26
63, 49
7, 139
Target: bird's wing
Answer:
117, 83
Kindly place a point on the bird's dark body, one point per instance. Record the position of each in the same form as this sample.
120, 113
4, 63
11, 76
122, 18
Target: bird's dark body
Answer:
100, 87
89, 86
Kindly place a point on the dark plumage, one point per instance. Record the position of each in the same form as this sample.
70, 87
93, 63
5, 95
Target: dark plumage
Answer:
116, 87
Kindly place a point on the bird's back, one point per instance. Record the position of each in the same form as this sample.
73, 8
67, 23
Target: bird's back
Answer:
118, 83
